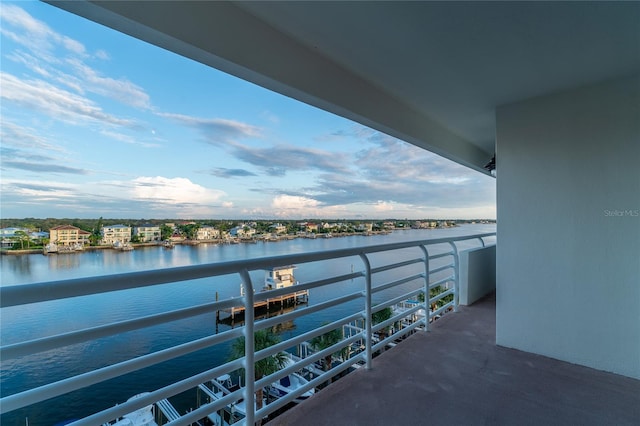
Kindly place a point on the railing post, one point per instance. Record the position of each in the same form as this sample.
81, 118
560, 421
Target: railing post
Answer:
368, 338
427, 302
456, 276
249, 348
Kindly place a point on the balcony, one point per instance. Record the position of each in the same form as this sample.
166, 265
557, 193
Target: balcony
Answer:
409, 368
394, 277
563, 118
456, 374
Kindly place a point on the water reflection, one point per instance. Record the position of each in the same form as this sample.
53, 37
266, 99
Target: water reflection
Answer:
64, 261
16, 265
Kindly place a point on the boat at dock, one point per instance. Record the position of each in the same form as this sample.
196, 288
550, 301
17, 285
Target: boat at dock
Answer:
118, 245
144, 416
289, 383
50, 248
235, 412
217, 389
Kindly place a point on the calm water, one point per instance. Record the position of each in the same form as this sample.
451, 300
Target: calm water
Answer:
26, 322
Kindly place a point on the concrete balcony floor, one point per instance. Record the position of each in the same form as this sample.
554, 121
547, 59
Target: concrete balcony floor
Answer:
456, 375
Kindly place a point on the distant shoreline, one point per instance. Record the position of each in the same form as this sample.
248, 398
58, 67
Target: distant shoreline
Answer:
189, 243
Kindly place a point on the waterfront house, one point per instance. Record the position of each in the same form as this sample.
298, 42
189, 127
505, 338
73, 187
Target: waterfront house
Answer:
147, 233
10, 232
207, 233
67, 235
365, 227
311, 227
9, 236
177, 237
278, 228
544, 96
333, 227
115, 234
242, 231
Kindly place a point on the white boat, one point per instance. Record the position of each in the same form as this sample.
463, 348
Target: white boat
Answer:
222, 386
118, 245
50, 248
141, 417
289, 384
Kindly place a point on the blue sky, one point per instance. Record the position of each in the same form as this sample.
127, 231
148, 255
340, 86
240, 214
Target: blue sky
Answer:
96, 123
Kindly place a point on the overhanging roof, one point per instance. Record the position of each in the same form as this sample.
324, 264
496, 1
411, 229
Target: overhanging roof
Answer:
429, 73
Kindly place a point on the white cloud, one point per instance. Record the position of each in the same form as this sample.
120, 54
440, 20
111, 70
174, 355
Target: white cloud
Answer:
121, 90
24, 137
102, 54
55, 102
41, 194
383, 206
29, 61
127, 139
50, 51
216, 130
296, 207
143, 196
172, 191
293, 202
227, 204
34, 34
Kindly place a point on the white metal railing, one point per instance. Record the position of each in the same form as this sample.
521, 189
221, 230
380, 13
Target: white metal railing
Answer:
422, 282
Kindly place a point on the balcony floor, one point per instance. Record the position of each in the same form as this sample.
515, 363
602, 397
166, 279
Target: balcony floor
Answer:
456, 375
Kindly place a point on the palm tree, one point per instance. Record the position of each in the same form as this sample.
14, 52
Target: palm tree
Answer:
324, 341
22, 237
381, 316
264, 367
433, 293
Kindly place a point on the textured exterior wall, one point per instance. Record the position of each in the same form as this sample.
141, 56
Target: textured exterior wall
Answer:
568, 275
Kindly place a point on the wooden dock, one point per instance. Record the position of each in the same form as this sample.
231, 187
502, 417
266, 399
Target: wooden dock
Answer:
271, 304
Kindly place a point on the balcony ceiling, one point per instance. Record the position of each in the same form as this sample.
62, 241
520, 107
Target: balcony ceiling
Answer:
430, 73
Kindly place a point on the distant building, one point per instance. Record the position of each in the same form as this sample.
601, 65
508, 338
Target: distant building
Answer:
366, 227
113, 234
67, 235
312, 227
242, 231
329, 226
278, 228
147, 233
176, 237
7, 236
423, 225
207, 233
10, 232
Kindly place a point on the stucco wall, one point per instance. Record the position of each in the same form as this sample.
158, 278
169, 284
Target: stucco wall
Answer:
477, 273
568, 274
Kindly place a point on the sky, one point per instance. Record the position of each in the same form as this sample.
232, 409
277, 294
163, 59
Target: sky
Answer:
96, 123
